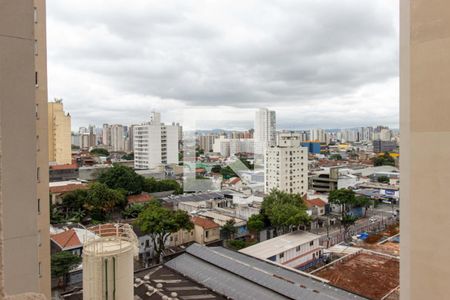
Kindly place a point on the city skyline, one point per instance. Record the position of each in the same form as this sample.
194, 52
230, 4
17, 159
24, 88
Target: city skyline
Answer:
128, 64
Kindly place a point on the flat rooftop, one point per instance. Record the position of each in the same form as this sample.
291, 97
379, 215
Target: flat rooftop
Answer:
367, 274
279, 244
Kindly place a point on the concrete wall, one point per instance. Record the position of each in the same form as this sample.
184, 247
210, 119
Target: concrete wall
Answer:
18, 148
424, 121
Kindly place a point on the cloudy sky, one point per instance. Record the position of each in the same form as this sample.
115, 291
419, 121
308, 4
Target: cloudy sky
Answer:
318, 63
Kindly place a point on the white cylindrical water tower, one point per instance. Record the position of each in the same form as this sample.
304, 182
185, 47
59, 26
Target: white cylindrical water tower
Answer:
108, 263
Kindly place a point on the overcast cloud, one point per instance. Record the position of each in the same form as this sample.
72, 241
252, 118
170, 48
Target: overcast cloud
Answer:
318, 63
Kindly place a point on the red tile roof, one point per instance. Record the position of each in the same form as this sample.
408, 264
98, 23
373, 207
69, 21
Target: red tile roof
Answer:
205, 223
234, 180
64, 167
315, 202
67, 188
67, 239
141, 198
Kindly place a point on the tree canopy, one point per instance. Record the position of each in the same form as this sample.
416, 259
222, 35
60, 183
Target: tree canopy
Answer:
284, 210
256, 223
229, 229
63, 262
384, 160
151, 185
159, 222
99, 152
383, 179
227, 172
122, 177
216, 169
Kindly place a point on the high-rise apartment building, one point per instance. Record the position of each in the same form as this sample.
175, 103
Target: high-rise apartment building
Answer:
206, 142
59, 134
265, 130
286, 165
117, 138
317, 134
155, 143
24, 208
424, 121
106, 135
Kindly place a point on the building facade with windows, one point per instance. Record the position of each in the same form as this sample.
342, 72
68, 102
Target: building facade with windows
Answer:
297, 249
59, 134
155, 144
286, 166
24, 205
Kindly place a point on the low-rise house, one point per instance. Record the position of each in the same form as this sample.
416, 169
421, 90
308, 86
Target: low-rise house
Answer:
206, 230
222, 218
63, 172
316, 207
57, 190
71, 240
298, 249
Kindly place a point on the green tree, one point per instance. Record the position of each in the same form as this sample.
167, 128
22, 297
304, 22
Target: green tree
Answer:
347, 221
101, 200
133, 211
247, 163
74, 202
346, 199
227, 172
383, 179
99, 152
216, 169
363, 201
129, 156
62, 263
122, 177
335, 157
229, 229
159, 222
285, 211
384, 160
255, 224
151, 185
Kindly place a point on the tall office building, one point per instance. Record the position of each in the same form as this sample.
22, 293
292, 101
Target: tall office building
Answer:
265, 130
25, 247
59, 134
424, 121
155, 143
286, 165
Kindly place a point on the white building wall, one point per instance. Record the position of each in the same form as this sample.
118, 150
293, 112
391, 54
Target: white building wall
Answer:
286, 169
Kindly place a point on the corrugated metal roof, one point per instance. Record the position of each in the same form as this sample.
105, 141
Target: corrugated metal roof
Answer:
238, 276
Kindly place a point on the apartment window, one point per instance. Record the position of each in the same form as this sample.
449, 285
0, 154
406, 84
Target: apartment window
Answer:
311, 243
206, 233
37, 111
38, 175
39, 206
281, 255
39, 239
297, 248
35, 15
36, 82
39, 269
